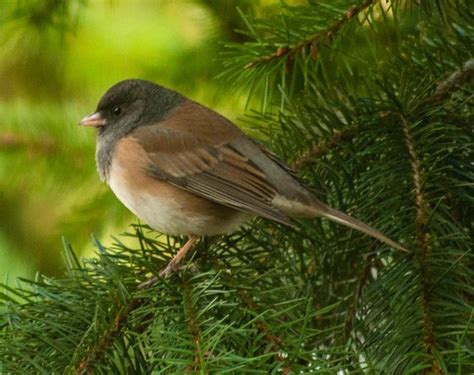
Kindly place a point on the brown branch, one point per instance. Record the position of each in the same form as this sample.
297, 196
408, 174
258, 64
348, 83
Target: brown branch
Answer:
362, 281
116, 327
422, 242
442, 92
312, 43
275, 343
193, 327
323, 148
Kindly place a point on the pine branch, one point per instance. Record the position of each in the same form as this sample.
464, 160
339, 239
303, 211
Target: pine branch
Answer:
312, 43
424, 250
199, 363
361, 283
275, 343
444, 88
323, 147
97, 351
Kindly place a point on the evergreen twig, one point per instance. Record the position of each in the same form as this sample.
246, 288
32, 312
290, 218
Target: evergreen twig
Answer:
422, 242
275, 342
94, 354
312, 43
323, 147
191, 317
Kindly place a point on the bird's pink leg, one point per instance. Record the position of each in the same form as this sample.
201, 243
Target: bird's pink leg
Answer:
173, 264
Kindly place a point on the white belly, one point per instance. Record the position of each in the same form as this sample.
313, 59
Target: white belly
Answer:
167, 212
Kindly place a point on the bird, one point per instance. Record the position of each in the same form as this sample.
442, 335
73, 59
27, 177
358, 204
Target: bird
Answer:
184, 169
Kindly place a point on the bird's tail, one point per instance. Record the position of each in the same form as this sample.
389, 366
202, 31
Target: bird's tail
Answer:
306, 206
321, 209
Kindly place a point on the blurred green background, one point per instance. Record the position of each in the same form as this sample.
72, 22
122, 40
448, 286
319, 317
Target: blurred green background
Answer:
56, 60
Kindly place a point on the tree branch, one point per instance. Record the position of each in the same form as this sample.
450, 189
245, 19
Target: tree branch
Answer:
312, 43
361, 282
323, 147
275, 343
442, 92
193, 327
95, 353
422, 242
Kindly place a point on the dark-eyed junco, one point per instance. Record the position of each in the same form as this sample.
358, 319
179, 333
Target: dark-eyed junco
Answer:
184, 169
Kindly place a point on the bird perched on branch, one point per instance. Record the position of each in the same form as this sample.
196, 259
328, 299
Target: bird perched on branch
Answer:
186, 170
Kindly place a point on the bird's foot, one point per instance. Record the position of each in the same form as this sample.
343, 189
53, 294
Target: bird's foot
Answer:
165, 273
171, 268
173, 265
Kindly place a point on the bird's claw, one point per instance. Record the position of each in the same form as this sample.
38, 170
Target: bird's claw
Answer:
165, 273
169, 269
173, 267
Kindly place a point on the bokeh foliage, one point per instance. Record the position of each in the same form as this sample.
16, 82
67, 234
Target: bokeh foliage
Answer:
371, 102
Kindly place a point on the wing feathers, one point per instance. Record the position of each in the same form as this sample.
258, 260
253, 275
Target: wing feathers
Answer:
216, 170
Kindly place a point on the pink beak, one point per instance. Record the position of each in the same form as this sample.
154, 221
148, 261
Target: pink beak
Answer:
94, 119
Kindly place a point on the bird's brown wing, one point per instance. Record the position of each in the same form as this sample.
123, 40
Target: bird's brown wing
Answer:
196, 149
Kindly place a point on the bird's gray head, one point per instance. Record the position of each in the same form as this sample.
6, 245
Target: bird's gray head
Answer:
125, 106
130, 104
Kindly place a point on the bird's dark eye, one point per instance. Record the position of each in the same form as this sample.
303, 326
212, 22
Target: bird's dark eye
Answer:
117, 111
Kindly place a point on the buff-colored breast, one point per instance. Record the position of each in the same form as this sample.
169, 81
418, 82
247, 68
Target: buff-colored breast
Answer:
162, 206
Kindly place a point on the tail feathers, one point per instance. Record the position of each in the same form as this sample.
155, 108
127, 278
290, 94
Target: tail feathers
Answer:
342, 218
309, 207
